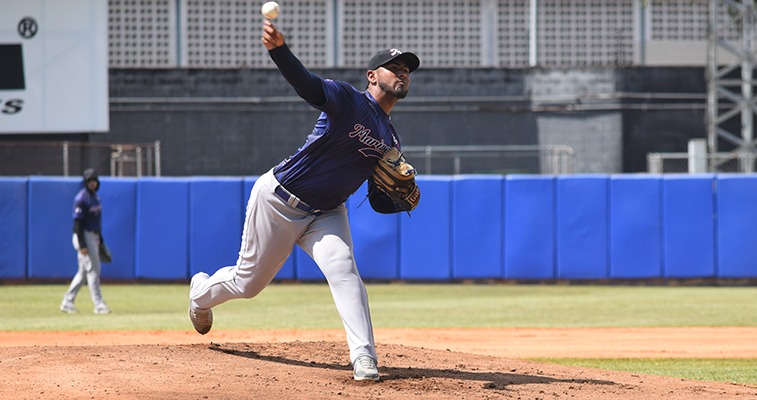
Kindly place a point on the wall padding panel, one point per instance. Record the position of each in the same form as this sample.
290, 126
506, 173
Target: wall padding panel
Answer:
635, 227
525, 227
51, 254
477, 215
119, 198
374, 237
737, 220
162, 228
216, 216
688, 204
13, 229
425, 239
582, 227
529, 227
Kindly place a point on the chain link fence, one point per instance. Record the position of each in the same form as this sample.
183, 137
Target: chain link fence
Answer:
71, 158
523, 159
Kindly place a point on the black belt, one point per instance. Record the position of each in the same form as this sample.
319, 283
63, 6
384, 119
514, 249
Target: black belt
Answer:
293, 201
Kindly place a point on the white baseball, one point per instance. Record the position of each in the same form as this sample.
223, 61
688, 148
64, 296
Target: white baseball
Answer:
270, 10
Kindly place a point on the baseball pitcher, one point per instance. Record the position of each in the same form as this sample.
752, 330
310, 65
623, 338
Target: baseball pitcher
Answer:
301, 200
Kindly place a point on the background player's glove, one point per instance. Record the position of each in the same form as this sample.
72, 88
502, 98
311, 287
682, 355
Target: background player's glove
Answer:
394, 178
105, 255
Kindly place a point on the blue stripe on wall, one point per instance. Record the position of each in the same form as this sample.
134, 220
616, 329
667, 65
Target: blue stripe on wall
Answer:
13, 229
688, 226
635, 226
737, 219
529, 227
582, 227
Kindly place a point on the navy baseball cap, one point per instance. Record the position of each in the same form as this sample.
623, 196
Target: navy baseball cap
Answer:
385, 56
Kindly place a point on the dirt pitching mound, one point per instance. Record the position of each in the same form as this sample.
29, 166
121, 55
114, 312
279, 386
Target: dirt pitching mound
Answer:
317, 370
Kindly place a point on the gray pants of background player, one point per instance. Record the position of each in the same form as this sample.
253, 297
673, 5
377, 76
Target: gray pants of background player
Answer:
89, 267
271, 229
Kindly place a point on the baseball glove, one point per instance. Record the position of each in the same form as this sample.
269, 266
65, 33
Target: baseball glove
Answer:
105, 255
395, 179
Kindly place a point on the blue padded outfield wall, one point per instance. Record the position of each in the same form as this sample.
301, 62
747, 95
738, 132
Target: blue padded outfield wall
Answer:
468, 227
13, 228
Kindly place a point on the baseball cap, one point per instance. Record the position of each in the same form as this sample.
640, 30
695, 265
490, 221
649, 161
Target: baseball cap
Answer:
387, 55
90, 173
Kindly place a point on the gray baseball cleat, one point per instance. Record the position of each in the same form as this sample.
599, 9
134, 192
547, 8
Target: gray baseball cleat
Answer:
102, 309
68, 308
365, 369
202, 318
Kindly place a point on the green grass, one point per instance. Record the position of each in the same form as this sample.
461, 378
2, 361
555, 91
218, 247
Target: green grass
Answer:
734, 370
309, 306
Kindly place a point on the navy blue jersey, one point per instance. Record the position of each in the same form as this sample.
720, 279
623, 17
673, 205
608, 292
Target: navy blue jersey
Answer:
351, 134
88, 210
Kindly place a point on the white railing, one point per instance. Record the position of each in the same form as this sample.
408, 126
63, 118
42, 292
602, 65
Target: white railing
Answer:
535, 159
71, 158
672, 163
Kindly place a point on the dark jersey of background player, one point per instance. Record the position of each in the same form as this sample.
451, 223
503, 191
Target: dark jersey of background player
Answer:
87, 208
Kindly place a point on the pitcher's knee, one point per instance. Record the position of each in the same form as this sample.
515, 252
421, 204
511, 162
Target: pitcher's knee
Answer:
342, 266
248, 288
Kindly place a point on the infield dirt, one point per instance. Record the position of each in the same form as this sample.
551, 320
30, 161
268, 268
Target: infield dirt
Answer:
414, 364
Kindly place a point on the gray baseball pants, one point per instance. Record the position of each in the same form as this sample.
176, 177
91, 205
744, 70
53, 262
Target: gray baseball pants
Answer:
272, 227
89, 268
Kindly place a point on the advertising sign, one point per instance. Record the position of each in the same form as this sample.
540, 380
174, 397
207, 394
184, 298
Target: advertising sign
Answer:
53, 66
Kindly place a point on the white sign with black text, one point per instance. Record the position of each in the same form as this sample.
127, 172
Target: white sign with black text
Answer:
53, 66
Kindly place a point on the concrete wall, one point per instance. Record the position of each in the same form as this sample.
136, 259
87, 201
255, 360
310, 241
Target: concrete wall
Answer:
243, 121
611, 117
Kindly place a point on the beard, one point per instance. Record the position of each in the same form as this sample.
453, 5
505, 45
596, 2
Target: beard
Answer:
398, 92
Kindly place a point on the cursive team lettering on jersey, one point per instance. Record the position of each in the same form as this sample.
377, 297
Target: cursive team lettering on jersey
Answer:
376, 147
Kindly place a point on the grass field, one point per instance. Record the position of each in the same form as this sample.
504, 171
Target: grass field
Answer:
309, 306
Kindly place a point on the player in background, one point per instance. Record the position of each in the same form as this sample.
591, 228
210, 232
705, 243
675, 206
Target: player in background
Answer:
86, 240
301, 200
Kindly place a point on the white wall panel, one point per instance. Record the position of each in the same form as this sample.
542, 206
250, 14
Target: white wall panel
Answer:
57, 61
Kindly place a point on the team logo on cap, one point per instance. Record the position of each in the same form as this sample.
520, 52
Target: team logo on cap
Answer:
394, 52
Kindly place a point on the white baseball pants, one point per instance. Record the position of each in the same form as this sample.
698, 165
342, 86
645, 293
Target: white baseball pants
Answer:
89, 268
271, 229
